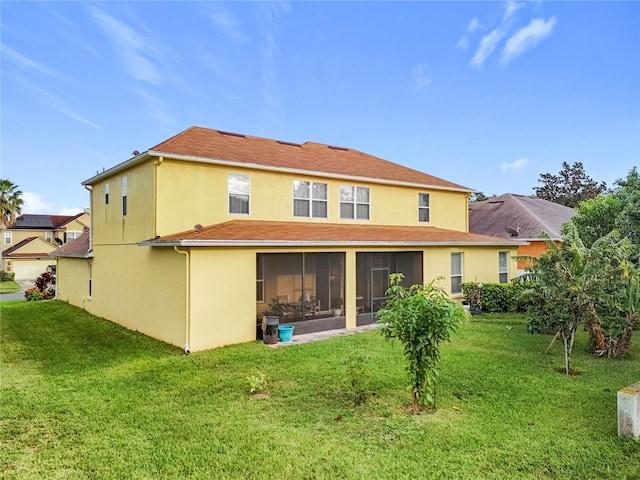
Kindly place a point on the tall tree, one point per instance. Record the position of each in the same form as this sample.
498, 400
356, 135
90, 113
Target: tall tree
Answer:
629, 195
570, 187
11, 202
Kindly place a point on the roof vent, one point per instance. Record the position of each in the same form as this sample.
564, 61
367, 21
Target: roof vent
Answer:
513, 232
135, 153
198, 228
291, 144
231, 134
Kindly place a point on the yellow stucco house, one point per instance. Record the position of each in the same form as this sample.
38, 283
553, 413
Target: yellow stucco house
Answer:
27, 244
194, 240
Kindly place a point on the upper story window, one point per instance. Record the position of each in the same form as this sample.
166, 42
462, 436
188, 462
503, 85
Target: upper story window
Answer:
48, 236
456, 273
239, 193
7, 236
124, 195
503, 266
71, 235
423, 207
354, 202
309, 199
106, 194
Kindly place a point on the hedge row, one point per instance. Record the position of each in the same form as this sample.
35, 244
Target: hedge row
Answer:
496, 297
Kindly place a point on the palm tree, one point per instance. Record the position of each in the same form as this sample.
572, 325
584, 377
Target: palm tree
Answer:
10, 202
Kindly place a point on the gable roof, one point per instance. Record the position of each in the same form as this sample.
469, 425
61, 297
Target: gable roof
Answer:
219, 147
531, 217
276, 234
43, 222
77, 248
14, 251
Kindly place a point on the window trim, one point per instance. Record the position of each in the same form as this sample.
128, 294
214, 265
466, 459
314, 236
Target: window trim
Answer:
238, 194
124, 195
311, 200
506, 268
8, 236
48, 236
459, 255
424, 208
355, 203
106, 194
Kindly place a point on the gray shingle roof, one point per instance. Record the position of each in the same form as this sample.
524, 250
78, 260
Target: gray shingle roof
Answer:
531, 217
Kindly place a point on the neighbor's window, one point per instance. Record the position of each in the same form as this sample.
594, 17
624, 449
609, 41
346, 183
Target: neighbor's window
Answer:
71, 235
456, 272
503, 266
423, 207
239, 191
354, 202
106, 194
124, 195
48, 236
7, 236
309, 199
90, 277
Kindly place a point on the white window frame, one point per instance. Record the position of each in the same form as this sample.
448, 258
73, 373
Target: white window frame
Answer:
124, 195
8, 236
456, 272
73, 234
424, 208
350, 196
106, 194
260, 279
503, 267
48, 236
239, 187
316, 199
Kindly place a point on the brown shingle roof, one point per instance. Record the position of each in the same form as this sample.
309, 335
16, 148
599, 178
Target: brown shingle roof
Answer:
13, 252
529, 216
78, 247
204, 143
43, 222
265, 233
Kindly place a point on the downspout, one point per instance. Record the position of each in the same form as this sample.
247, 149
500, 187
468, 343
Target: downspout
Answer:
187, 307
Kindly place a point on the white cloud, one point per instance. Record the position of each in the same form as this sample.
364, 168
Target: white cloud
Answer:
526, 38
420, 77
516, 166
511, 8
463, 43
69, 211
34, 203
28, 64
225, 22
133, 48
486, 48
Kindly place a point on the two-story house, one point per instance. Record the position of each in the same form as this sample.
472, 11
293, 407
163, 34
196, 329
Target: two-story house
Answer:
29, 241
194, 240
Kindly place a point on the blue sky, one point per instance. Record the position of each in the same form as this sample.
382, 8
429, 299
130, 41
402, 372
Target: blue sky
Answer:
486, 94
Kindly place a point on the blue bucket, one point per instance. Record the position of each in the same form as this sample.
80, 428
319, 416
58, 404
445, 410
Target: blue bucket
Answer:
285, 332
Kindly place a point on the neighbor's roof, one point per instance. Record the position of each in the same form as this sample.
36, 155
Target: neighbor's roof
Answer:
216, 146
276, 234
14, 251
531, 217
43, 222
76, 248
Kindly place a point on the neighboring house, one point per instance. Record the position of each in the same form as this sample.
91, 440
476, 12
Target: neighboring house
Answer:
27, 244
195, 240
528, 218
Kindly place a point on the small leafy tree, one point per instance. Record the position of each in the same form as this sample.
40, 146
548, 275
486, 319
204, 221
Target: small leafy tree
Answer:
421, 317
570, 187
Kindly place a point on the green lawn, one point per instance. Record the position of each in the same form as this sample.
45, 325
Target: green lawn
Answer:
9, 287
83, 398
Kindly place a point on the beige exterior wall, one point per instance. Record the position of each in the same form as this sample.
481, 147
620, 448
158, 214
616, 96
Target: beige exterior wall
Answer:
139, 288
110, 226
204, 189
73, 286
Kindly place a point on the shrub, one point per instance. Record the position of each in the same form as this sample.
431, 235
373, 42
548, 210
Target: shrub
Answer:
43, 281
497, 297
7, 276
357, 376
33, 294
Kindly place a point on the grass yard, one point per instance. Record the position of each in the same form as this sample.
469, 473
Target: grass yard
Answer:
9, 287
82, 398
